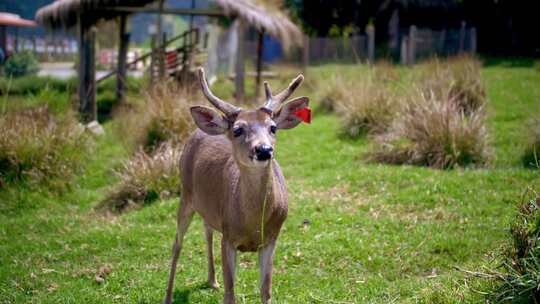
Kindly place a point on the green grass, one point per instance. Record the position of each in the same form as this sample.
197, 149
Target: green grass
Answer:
377, 233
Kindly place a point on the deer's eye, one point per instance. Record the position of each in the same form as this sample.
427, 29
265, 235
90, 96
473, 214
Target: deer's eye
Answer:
238, 131
273, 129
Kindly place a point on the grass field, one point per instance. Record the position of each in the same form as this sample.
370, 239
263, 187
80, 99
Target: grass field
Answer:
376, 233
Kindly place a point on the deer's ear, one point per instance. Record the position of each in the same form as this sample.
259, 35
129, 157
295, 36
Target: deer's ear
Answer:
208, 120
286, 117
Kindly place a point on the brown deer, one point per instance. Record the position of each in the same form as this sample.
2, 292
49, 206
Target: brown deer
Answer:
230, 178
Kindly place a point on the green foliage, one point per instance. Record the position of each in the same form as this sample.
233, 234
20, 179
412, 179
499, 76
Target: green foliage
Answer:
520, 277
21, 64
33, 84
531, 156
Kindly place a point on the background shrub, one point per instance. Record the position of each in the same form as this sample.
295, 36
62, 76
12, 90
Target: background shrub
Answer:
164, 116
37, 146
436, 132
363, 105
21, 64
33, 84
531, 157
145, 178
458, 77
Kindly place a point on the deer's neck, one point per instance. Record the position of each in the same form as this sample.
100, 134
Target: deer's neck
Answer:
256, 186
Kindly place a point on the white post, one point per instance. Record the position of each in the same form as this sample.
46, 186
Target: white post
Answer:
403, 51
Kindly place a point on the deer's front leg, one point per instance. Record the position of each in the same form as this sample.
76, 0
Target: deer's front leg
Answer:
228, 260
266, 259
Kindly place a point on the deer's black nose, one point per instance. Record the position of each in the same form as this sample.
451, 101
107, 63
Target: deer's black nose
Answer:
263, 152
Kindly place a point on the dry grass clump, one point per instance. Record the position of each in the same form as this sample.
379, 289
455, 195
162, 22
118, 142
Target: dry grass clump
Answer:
517, 278
458, 77
37, 146
364, 106
164, 116
531, 157
145, 178
435, 132
157, 130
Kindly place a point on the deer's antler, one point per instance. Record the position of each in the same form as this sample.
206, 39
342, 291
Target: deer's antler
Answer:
273, 102
225, 107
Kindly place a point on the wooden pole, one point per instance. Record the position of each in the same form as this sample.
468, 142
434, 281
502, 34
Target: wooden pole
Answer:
3, 40
260, 47
121, 75
239, 64
87, 73
160, 42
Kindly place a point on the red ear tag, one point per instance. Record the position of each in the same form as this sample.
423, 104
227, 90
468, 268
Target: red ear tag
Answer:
304, 114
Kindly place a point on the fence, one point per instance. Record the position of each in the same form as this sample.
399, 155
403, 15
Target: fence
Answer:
318, 50
422, 43
45, 48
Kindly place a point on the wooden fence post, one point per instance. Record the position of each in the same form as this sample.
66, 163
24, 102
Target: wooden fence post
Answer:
239, 68
442, 41
404, 57
411, 52
305, 54
87, 73
473, 40
122, 60
462, 36
260, 47
370, 32
153, 59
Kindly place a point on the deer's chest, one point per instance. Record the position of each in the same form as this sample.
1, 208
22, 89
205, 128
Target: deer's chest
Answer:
253, 231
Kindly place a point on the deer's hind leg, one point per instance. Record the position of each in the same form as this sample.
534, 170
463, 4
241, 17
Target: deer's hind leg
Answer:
210, 249
184, 217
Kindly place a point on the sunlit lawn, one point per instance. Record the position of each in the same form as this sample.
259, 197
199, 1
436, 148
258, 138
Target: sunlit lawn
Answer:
375, 233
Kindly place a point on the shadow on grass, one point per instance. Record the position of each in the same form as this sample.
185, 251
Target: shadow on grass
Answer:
509, 62
181, 296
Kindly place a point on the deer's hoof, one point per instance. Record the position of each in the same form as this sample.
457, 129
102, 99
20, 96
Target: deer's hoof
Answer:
213, 285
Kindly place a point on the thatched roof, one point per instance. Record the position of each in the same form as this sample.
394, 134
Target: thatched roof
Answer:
264, 16
63, 14
14, 20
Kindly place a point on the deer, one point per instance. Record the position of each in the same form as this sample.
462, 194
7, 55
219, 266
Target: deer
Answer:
231, 179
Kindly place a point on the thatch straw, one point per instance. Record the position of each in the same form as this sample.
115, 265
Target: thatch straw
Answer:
64, 14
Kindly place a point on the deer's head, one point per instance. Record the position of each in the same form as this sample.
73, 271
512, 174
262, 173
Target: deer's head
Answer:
251, 132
